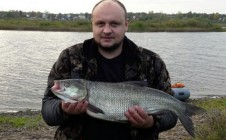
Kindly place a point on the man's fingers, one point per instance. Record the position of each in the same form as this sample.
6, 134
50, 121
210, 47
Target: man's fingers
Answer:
133, 116
75, 108
141, 112
138, 117
56, 85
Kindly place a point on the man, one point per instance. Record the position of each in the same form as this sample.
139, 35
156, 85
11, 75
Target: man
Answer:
110, 57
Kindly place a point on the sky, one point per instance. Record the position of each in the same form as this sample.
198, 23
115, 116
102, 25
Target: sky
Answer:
83, 6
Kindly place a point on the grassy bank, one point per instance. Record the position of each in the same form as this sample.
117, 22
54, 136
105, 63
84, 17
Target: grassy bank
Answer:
22, 120
213, 127
42, 25
176, 25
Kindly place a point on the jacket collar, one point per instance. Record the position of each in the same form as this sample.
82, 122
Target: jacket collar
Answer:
130, 52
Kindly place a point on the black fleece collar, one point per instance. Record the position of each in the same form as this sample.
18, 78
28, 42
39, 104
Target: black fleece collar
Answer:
130, 50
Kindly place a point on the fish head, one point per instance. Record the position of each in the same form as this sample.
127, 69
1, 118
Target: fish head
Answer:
73, 89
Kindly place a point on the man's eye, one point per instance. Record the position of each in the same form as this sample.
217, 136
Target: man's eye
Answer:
100, 24
114, 24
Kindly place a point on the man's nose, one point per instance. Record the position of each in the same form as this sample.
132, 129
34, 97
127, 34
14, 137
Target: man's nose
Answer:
107, 29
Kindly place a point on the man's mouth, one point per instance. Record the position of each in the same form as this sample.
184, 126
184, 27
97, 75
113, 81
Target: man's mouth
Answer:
107, 38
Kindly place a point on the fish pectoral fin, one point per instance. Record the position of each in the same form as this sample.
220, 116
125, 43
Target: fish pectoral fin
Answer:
95, 109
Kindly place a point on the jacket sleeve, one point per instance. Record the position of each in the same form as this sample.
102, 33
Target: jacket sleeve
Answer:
166, 121
51, 110
162, 82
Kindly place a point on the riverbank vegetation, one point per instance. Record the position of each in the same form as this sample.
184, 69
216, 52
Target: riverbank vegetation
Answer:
214, 124
139, 22
211, 125
171, 25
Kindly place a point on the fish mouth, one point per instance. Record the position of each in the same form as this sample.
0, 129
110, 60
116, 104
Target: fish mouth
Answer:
62, 96
56, 91
78, 98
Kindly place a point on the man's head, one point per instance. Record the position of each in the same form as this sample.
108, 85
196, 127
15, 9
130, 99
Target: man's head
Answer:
109, 24
119, 3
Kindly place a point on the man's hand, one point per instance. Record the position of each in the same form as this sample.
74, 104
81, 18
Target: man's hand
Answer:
74, 108
139, 118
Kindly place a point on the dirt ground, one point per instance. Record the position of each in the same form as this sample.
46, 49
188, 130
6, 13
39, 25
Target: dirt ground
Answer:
45, 132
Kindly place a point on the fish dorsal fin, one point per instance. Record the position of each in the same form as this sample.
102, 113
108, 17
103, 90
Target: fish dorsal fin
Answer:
95, 109
137, 83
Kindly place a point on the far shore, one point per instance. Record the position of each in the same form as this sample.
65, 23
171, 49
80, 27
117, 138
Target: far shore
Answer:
187, 25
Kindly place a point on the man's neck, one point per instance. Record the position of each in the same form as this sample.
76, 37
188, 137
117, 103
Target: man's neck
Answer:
110, 54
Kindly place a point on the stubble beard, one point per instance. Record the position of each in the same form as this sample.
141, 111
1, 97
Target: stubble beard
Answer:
112, 48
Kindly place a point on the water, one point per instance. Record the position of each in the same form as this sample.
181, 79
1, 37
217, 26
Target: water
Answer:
196, 59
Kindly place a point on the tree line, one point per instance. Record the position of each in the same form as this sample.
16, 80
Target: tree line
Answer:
215, 17
139, 21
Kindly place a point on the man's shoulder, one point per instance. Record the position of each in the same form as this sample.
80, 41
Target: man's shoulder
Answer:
148, 53
71, 50
75, 46
139, 50
78, 47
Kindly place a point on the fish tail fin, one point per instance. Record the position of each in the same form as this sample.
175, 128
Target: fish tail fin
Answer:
186, 120
187, 123
193, 110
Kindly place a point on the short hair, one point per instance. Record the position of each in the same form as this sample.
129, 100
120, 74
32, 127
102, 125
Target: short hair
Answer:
119, 3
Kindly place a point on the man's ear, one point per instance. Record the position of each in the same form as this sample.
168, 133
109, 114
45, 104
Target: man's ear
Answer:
126, 25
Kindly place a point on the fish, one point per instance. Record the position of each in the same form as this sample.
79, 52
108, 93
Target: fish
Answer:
109, 101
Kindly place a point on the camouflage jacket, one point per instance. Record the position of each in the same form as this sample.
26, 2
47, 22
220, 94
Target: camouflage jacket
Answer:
79, 61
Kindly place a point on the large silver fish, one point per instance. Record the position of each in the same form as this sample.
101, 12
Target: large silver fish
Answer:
109, 101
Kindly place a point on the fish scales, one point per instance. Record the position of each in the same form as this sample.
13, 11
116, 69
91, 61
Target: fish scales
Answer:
118, 97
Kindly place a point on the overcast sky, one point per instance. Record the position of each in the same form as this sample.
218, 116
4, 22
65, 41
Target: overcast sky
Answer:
82, 6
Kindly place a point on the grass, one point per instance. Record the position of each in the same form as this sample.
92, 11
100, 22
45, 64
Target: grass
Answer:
21, 120
214, 126
210, 104
42, 25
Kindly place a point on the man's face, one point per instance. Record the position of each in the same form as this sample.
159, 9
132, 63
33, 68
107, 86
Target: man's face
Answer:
109, 24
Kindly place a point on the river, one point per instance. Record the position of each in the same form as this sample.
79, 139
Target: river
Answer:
196, 59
